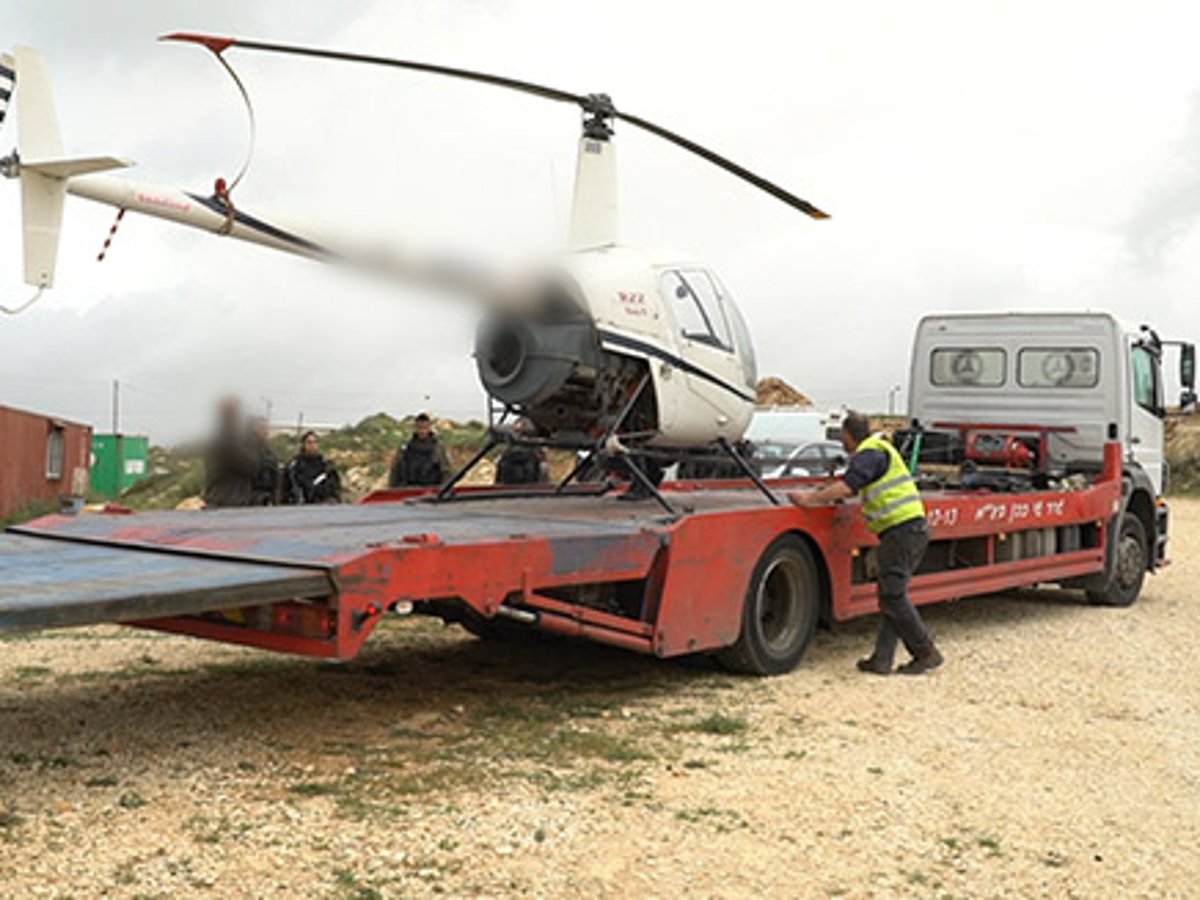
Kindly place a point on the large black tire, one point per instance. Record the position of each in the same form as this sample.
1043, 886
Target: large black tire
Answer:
1131, 558
780, 612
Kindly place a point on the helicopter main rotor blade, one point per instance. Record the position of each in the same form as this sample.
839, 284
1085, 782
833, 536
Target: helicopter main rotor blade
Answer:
592, 104
218, 44
727, 164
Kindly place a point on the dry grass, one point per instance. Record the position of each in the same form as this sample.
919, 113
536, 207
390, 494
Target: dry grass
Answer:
1054, 755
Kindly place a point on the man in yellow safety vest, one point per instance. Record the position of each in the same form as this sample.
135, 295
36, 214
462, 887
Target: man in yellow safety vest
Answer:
892, 506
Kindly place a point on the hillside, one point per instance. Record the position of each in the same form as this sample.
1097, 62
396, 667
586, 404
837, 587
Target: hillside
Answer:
361, 452
1183, 453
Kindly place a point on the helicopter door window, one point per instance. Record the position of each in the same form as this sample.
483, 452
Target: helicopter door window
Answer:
698, 308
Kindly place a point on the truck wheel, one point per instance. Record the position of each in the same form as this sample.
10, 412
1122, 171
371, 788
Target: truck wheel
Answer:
780, 611
1130, 560
501, 630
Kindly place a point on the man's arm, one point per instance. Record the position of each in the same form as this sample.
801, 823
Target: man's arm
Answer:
829, 493
865, 467
396, 472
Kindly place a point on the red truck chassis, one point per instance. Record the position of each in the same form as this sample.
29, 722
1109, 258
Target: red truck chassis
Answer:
316, 580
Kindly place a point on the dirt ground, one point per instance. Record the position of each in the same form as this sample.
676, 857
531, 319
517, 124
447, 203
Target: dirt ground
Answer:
1057, 754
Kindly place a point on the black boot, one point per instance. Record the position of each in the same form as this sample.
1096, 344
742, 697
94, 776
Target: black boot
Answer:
925, 661
874, 666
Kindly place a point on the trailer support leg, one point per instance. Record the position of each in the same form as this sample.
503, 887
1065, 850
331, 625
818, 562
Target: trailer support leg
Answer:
748, 470
447, 489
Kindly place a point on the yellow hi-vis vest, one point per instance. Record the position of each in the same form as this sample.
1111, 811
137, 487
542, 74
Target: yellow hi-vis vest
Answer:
892, 499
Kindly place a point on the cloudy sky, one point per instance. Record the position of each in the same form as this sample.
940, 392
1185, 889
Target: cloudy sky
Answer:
974, 155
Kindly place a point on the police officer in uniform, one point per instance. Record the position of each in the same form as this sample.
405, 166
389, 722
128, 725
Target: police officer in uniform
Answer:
522, 463
892, 506
310, 477
422, 462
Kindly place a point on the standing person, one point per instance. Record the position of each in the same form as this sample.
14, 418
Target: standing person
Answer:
230, 463
892, 506
310, 477
265, 482
522, 463
422, 461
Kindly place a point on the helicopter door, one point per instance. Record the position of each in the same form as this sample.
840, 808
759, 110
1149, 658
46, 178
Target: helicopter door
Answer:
707, 348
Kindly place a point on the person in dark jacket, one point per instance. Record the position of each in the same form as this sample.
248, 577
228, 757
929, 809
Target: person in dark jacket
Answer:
264, 484
522, 463
310, 477
422, 462
230, 463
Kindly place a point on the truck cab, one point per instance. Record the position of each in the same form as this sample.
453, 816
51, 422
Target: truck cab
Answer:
1041, 394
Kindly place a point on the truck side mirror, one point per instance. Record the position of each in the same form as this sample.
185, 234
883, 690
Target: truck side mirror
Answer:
1187, 367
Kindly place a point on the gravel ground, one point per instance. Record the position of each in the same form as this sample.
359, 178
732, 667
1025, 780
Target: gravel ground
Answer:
1055, 755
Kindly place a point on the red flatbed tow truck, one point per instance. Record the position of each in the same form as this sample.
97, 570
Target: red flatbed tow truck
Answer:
316, 580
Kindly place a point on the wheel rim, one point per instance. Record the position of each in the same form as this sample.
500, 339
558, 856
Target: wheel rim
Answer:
779, 604
1130, 561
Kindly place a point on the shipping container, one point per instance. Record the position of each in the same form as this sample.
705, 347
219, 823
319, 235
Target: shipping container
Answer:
119, 461
44, 461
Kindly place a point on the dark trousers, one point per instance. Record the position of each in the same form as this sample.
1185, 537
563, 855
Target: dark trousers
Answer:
901, 549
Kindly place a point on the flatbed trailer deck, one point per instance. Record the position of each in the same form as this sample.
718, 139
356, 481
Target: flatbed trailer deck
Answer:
316, 580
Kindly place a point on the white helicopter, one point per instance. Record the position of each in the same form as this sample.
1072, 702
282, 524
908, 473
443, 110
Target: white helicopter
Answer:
609, 348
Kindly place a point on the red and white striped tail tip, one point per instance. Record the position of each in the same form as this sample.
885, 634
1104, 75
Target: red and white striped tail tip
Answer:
112, 233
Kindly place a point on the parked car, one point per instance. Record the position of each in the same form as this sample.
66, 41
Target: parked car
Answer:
788, 460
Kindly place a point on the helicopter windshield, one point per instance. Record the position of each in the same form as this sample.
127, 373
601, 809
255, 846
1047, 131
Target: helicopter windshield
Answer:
742, 341
697, 306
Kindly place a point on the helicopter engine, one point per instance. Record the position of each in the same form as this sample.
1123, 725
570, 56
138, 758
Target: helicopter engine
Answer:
549, 365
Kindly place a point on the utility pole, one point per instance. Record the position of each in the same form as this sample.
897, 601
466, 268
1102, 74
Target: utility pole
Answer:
270, 406
116, 406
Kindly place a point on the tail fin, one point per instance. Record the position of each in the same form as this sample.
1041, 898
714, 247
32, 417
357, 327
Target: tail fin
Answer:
43, 169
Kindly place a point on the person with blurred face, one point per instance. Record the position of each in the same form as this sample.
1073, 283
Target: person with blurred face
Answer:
230, 463
422, 462
310, 477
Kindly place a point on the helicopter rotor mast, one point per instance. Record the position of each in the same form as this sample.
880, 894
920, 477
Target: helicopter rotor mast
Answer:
594, 204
